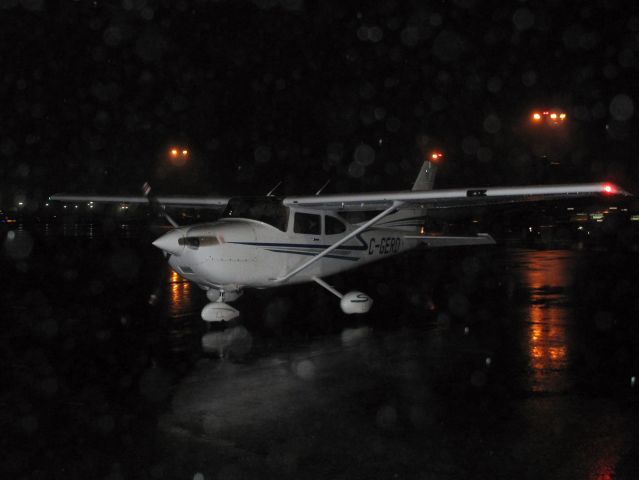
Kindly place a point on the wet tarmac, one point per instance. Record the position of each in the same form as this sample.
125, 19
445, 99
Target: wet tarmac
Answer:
475, 363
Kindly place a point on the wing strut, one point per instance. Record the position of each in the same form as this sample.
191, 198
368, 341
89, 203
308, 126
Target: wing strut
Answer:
340, 242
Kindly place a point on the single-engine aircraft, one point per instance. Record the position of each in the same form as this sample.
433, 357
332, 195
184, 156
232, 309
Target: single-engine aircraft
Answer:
268, 241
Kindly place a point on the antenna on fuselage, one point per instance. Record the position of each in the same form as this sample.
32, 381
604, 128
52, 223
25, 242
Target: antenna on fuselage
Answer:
270, 194
322, 187
156, 206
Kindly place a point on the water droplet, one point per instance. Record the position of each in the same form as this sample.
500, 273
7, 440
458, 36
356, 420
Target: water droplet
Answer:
622, 107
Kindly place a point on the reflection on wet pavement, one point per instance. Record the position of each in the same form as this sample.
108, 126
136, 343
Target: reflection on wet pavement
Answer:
547, 275
409, 403
492, 390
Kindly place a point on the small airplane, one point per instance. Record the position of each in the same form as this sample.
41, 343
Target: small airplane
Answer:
268, 241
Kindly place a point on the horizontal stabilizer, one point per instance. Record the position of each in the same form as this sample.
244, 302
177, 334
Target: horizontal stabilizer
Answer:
435, 241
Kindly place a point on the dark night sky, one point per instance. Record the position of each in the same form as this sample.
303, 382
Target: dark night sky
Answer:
95, 91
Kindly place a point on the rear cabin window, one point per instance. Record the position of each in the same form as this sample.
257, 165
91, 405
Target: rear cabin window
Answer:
333, 226
307, 223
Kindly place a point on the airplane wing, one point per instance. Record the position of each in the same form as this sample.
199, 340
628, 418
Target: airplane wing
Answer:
182, 201
448, 198
389, 202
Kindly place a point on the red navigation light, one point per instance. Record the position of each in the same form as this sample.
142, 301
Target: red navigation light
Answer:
609, 188
436, 156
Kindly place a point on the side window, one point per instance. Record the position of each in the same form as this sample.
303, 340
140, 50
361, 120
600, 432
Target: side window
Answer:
333, 226
307, 223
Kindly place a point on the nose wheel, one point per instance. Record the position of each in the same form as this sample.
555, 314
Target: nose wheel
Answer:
218, 310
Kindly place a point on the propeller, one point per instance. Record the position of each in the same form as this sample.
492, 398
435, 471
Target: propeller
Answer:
160, 211
156, 206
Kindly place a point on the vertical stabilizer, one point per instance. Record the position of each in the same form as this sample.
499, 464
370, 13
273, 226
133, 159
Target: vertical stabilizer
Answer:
426, 178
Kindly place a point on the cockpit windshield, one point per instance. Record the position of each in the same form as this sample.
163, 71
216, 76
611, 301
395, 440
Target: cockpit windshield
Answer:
264, 209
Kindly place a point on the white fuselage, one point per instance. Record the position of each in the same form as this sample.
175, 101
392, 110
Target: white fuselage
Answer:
233, 253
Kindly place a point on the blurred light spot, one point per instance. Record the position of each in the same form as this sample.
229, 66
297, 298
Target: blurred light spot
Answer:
458, 304
147, 13
410, 36
478, 379
523, 19
356, 169
305, 370
622, 107
470, 145
386, 416
49, 386
28, 424
262, 154
198, 476
529, 78
492, 124
448, 46
375, 34
112, 36
393, 124
354, 336
364, 154
435, 19
18, 244
494, 85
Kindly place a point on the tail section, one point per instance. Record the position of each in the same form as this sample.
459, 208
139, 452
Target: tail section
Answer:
413, 220
426, 177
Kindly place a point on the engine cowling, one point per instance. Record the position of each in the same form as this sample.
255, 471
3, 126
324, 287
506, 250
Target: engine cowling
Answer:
219, 312
355, 302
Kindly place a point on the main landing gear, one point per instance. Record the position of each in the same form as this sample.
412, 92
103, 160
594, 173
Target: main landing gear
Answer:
351, 302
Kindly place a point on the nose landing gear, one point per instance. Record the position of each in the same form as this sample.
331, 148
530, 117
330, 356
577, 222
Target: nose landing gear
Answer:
218, 310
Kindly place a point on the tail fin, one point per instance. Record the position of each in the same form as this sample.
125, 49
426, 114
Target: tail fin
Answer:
426, 178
